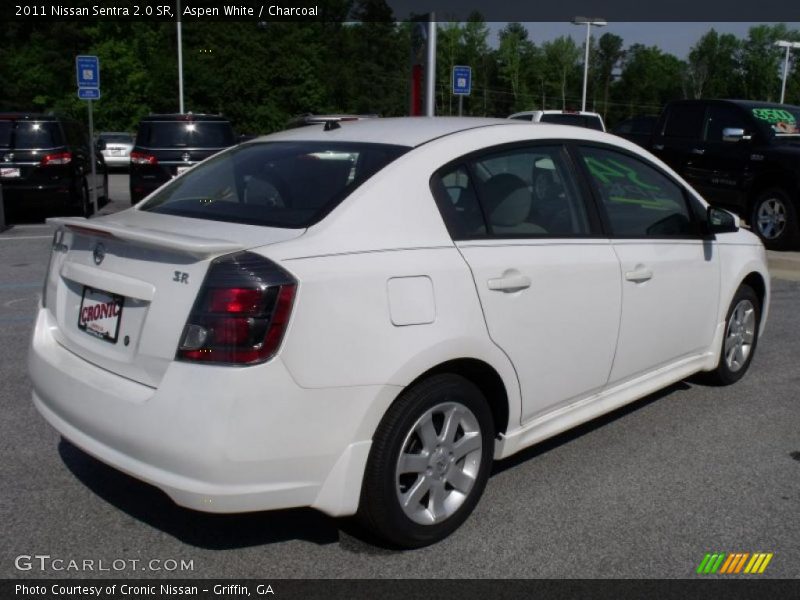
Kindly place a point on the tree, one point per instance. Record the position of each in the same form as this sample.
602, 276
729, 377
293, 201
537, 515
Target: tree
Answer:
609, 54
561, 60
514, 59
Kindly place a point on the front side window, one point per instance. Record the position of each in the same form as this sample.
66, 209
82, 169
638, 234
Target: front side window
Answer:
520, 192
722, 117
278, 184
638, 199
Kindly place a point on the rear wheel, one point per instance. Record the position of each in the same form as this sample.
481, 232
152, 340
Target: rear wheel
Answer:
774, 219
740, 339
429, 463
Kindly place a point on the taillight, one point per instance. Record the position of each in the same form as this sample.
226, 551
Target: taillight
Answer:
61, 158
241, 312
143, 158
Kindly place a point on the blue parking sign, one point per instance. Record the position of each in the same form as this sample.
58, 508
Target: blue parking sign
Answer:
462, 80
88, 71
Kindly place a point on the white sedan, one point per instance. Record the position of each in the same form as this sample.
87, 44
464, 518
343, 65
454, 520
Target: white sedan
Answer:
361, 317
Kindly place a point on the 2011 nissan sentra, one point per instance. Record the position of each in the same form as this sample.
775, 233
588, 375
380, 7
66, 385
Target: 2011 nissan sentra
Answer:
361, 317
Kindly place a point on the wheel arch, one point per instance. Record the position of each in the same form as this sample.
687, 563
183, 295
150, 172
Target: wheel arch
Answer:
485, 378
774, 179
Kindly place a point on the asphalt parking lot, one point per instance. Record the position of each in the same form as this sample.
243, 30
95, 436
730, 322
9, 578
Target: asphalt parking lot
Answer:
642, 493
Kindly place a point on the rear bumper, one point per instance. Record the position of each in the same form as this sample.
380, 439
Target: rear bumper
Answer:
117, 162
24, 194
215, 439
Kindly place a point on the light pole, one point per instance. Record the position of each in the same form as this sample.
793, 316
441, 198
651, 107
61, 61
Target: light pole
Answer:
180, 60
788, 46
588, 21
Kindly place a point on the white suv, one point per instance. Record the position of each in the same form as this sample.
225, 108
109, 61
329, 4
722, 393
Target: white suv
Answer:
361, 319
578, 118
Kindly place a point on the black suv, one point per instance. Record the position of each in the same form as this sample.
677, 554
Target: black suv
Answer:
45, 161
167, 145
741, 155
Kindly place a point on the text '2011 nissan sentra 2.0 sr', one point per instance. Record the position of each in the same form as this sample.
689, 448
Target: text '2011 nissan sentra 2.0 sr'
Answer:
360, 318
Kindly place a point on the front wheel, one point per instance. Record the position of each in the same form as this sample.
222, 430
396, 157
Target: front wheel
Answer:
430, 459
741, 337
774, 219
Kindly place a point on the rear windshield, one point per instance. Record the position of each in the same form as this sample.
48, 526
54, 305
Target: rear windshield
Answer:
117, 138
577, 120
277, 184
185, 134
28, 135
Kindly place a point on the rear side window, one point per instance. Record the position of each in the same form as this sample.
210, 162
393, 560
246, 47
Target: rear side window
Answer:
278, 184
185, 134
30, 135
639, 200
685, 121
570, 119
518, 193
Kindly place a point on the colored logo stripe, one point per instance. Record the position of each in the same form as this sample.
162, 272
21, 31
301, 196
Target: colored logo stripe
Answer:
732, 563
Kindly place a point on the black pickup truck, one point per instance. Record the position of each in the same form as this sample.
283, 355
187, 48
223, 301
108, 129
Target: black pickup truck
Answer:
740, 155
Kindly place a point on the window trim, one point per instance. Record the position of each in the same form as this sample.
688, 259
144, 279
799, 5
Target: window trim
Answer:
689, 203
593, 216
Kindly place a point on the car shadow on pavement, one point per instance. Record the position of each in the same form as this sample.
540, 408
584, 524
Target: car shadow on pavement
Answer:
581, 430
151, 506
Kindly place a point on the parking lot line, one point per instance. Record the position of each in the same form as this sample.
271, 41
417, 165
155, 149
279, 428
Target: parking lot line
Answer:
25, 237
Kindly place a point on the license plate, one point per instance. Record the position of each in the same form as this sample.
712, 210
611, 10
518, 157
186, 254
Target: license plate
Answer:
9, 172
100, 314
181, 170
115, 152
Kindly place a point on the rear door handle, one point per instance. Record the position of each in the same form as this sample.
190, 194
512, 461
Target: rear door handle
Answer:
640, 274
698, 151
510, 282
658, 146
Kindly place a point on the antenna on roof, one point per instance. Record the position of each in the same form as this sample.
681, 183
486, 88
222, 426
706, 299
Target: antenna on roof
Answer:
330, 125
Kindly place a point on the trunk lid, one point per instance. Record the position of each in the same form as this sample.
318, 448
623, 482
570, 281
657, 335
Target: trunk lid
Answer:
121, 287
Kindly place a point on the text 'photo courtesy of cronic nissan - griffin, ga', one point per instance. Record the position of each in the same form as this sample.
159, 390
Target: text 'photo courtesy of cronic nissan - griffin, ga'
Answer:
361, 317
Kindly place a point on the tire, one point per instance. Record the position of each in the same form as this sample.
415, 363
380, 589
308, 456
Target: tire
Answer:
444, 480
774, 219
740, 339
85, 206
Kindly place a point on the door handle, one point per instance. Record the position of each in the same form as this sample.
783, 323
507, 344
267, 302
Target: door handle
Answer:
698, 151
640, 274
658, 146
509, 282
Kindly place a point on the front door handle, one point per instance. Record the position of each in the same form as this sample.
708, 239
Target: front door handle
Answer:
510, 281
640, 274
698, 151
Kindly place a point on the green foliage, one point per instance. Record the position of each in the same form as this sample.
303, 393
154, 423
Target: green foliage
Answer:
358, 61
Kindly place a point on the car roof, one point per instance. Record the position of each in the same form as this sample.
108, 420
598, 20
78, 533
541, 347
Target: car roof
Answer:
401, 131
183, 117
25, 116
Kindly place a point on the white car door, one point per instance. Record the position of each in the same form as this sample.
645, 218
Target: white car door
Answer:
548, 283
670, 273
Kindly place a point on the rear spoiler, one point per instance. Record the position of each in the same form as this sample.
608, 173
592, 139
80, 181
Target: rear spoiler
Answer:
177, 242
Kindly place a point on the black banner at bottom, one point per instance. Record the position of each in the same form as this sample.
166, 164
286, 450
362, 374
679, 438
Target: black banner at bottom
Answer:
390, 589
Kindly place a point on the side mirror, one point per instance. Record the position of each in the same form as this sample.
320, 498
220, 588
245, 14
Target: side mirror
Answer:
721, 221
734, 134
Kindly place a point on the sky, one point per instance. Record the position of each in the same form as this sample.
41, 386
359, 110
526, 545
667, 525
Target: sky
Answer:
674, 38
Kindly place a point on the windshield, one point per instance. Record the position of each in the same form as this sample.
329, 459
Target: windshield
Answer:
29, 135
779, 120
185, 134
277, 184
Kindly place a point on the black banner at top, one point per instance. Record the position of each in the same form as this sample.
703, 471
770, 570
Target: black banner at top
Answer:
445, 10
